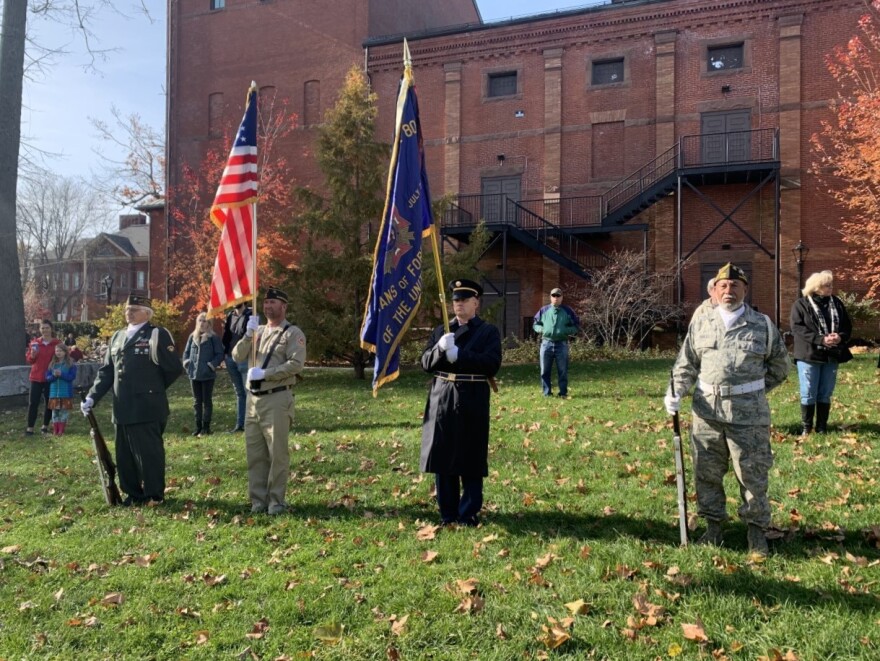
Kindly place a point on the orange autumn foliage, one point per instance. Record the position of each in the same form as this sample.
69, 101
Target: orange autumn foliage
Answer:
848, 147
195, 238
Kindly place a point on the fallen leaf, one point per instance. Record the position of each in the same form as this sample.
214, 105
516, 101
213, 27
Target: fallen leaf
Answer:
427, 532
91, 621
429, 556
468, 586
399, 625
259, 630
695, 632
471, 605
500, 633
59, 594
113, 599
15, 548
329, 633
26, 605
201, 637
579, 607
554, 635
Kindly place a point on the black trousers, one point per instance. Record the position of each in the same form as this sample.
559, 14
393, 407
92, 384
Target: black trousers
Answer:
140, 460
459, 498
203, 401
38, 391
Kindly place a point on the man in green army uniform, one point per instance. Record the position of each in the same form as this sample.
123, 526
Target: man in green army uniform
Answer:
280, 357
141, 363
733, 356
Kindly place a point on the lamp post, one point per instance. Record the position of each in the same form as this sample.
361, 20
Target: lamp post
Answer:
800, 252
108, 286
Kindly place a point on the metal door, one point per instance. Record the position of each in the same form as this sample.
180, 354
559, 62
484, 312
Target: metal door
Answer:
495, 193
726, 136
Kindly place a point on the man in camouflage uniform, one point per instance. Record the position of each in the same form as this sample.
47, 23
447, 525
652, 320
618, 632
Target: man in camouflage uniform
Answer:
733, 356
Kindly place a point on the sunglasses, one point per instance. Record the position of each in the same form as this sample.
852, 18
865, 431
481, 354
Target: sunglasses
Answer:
555, 295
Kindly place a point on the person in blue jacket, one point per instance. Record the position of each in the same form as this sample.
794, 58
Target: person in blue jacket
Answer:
201, 358
555, 323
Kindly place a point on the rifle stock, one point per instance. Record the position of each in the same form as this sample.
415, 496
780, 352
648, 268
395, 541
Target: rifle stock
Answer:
106, 467
680, 485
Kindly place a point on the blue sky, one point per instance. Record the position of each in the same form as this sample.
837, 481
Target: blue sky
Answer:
57, 106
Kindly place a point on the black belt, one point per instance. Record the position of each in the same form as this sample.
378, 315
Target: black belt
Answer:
269, 392
447, 376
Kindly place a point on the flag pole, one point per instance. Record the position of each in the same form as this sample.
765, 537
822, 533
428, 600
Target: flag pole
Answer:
255, 287
435, 248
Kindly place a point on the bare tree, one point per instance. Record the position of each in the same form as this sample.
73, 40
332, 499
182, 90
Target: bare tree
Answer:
54, 214
79, 14
140, 174
623, 302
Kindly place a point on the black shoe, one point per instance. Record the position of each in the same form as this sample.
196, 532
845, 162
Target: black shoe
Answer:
236, 429
472, 522
44, 429
206, 431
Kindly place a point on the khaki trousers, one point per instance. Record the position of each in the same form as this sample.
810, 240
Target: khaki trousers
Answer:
266, 430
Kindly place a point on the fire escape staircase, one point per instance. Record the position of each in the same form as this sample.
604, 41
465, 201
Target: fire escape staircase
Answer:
707, 158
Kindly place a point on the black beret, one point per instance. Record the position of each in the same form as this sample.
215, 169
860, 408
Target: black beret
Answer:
274, 292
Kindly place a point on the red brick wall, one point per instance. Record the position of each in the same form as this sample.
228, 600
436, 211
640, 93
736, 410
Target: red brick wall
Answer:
590, 161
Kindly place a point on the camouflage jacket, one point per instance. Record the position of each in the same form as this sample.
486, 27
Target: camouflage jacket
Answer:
750, 350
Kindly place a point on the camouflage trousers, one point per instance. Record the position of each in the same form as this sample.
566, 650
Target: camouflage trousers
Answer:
714, 444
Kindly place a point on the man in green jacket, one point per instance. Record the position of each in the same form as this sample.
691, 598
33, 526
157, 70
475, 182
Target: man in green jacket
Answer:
555, 323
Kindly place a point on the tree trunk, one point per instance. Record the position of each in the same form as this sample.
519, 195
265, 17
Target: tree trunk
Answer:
11, 74
359, 361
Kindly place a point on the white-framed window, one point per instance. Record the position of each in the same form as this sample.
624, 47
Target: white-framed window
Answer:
141, 280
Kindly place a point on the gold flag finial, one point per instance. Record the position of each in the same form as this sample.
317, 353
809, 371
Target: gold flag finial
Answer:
407, 58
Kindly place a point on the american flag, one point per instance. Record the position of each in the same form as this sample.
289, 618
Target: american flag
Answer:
234, 213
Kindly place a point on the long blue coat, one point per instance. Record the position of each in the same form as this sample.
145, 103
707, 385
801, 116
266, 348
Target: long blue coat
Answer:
455, 432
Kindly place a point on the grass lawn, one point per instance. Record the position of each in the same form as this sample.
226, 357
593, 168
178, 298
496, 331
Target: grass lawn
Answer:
577, 556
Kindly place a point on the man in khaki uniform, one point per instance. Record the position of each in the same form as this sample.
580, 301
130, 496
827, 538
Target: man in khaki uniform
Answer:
281, 355
733, 356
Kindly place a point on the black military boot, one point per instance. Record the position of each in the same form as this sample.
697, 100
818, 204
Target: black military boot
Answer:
198, 429
807, 411
822, 411
206, 428
714, 534
757, 540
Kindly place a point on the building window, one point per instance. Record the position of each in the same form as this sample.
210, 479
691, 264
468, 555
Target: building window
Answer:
123, 280
502, 84
312, 102
217, 4
141, 280
606, 72
65, 280
215, 115
720, 58
76, 281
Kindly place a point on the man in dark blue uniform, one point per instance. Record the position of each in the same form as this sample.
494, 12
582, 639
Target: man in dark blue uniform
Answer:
141, 363
455, 434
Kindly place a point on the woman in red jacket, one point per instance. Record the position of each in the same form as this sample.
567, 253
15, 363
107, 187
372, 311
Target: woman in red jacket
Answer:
40, 353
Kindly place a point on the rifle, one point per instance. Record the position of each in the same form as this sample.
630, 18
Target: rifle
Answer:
680, 486
106, 467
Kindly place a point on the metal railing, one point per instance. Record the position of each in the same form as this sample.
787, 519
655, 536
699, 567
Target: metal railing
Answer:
708, 149
703, 150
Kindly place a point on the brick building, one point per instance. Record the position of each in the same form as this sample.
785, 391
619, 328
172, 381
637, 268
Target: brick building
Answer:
678, 127
100, 271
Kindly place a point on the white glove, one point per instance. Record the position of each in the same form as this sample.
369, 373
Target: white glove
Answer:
446, 342
256, 374
86, 406
452, 354
672, 403
252, 325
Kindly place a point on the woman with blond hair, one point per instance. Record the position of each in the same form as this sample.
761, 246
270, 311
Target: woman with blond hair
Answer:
201, 358
821, 329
